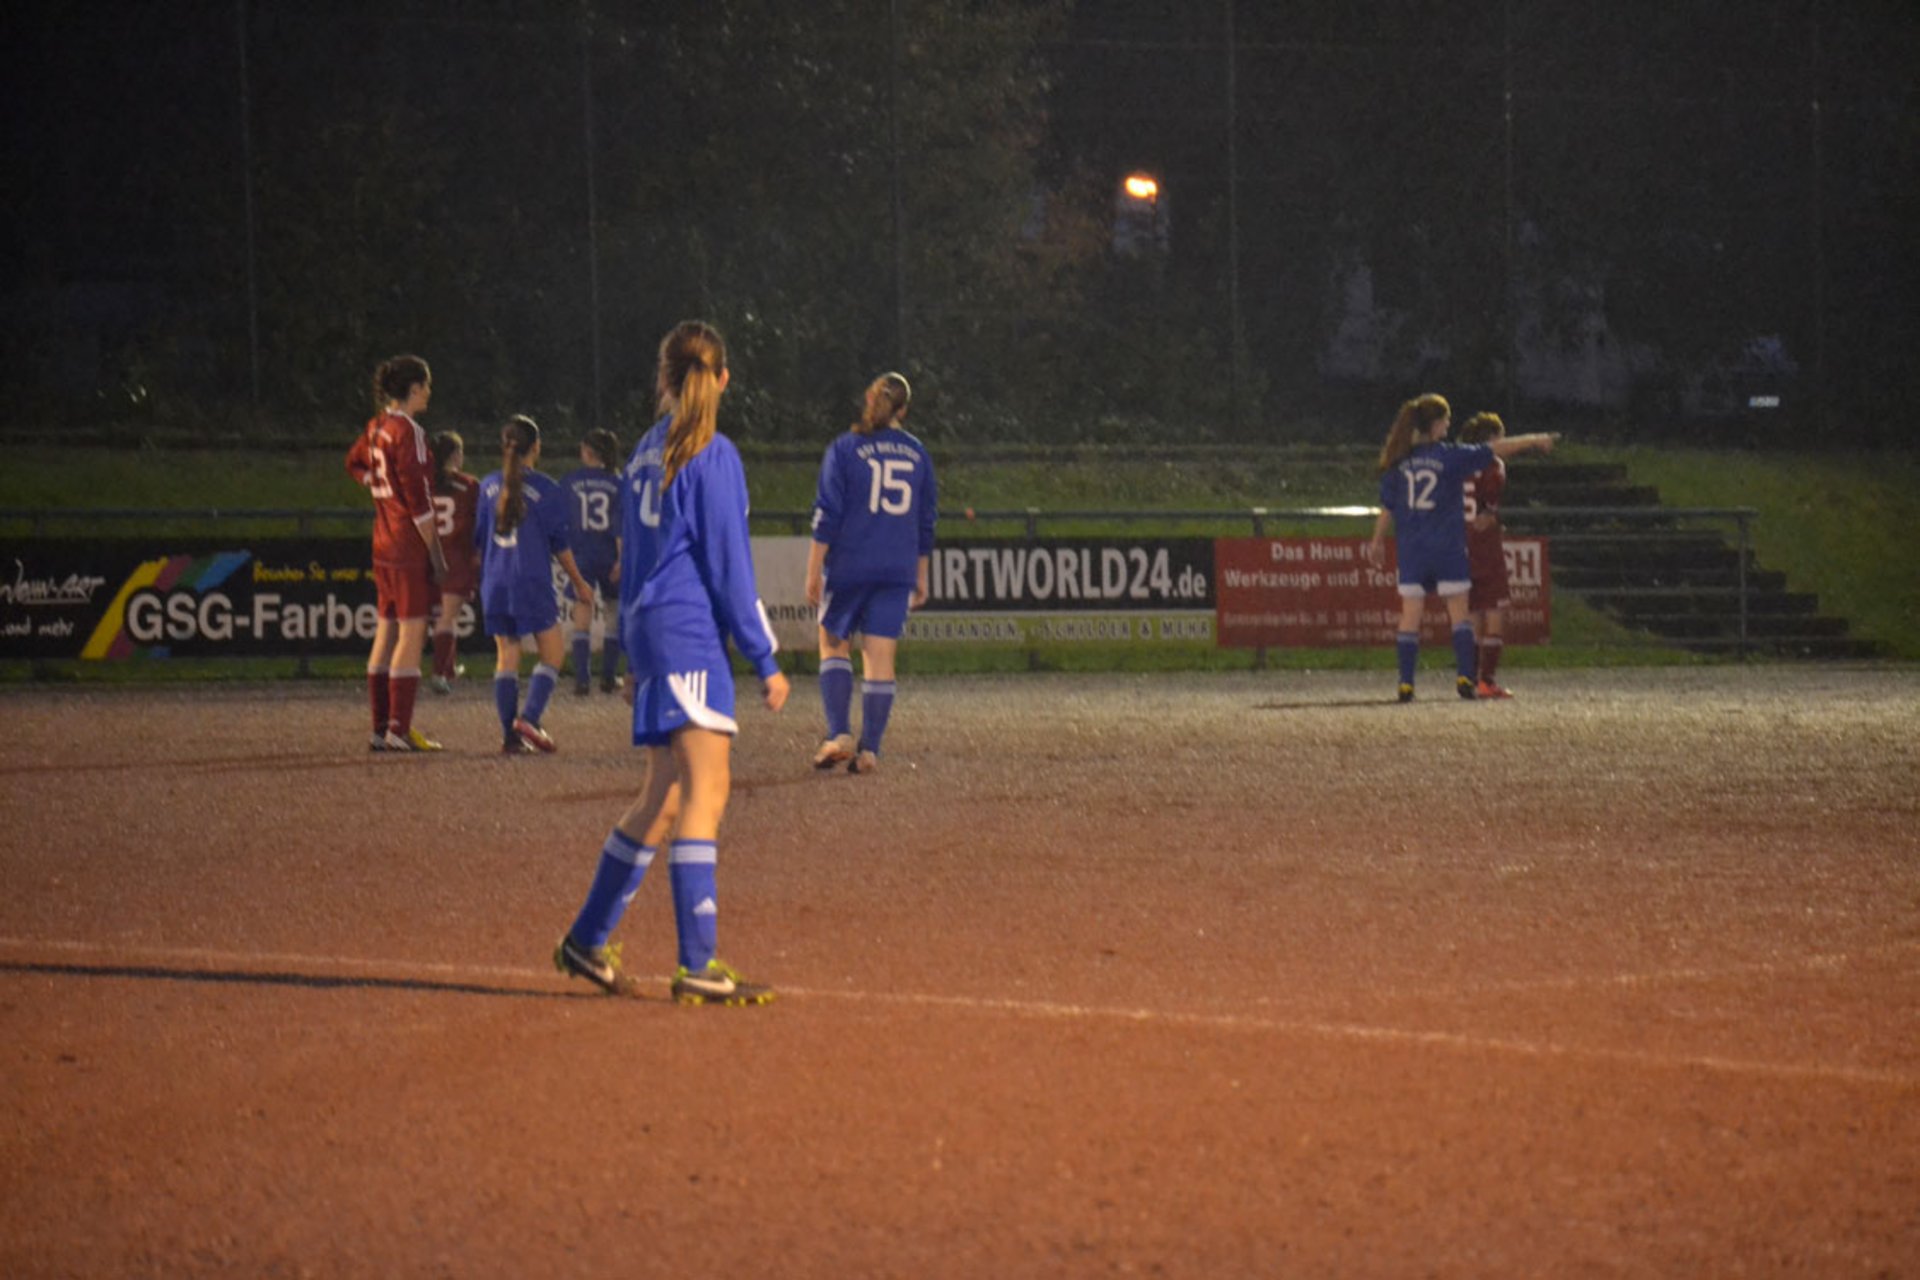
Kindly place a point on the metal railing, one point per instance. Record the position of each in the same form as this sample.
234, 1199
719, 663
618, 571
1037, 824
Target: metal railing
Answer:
44, 521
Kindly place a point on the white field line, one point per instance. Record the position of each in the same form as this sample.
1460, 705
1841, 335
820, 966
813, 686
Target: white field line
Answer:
1360, 1033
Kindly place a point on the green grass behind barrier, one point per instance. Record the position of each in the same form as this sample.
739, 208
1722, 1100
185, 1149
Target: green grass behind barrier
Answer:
1832, 523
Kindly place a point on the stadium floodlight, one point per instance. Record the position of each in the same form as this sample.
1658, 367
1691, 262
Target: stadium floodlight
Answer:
1142, 186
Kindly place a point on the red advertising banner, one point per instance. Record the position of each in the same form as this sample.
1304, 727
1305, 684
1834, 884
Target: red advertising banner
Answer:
1320, 593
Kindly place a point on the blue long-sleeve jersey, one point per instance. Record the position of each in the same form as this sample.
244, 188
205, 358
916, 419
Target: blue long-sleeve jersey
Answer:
516, 568
594, 496
876, 508
686, 567
1424, 493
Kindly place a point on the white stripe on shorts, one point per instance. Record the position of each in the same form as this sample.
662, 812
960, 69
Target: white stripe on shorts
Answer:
690, 691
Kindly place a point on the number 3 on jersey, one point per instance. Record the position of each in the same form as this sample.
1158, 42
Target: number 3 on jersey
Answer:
892, 489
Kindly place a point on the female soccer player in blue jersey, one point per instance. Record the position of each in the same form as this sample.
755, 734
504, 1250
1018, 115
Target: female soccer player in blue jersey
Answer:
593, 491
686, 588
520, 526
1422, 476
873, 525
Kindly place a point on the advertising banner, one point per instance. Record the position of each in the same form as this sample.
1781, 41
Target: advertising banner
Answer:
1015, 591
1320, 593
187, 597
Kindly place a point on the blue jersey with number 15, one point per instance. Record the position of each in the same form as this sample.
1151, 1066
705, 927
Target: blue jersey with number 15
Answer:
876, 508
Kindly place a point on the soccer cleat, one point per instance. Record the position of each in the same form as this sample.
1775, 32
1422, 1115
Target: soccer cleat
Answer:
1463, 685
718, 983
515, 747
440, 685
582, 690
865, 762
598, 965
533, 735
835, 750
1406, 693
377, 742
1488, 689
609, 685
412, 740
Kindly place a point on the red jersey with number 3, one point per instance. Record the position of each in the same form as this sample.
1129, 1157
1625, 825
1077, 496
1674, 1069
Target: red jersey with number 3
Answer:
392, 460
456, 496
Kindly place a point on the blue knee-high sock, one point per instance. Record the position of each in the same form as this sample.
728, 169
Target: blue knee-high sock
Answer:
539, 691
582, 660
506, 699
696, 913
623, 862
876, 704
1407, 645
1465, 651
836, 694
610, 656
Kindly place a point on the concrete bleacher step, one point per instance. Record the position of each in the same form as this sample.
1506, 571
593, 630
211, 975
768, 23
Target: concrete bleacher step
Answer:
1679, 582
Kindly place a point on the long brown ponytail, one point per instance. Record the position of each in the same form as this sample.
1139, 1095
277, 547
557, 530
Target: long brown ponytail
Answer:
517, 439
1415, 416
693, 359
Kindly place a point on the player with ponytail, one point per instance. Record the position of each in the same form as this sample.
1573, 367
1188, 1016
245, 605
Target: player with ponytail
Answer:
686, 589
873, 521
392, 460
522, 527
1422, 479
456, 497
594, 492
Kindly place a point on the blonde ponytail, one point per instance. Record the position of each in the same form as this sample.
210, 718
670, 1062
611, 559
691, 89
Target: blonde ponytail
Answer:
693, 361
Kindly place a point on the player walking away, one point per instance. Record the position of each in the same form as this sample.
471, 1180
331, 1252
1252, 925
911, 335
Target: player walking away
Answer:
1423, 477
456, 496
1486, 555
873, 525
391, 459
594, 491
522, 525
686, 588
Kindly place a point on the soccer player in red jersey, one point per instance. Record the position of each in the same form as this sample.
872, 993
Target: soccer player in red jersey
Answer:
455, 498
392, 460
1487, 594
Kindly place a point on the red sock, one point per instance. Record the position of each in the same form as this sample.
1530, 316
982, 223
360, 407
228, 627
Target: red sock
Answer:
401, 692
1490, 651
443, 654
377, 698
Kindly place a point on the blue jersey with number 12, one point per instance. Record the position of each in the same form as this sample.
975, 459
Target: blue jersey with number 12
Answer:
1424, 493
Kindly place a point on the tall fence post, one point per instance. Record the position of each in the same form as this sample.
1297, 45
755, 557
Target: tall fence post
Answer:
1742, 578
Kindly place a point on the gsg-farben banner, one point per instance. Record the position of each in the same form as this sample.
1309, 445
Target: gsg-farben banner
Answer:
187, 597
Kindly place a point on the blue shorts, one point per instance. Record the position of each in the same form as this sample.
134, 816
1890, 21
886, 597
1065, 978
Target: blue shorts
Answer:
868, 608
510, 613
665, 704
599, 577
1443, 574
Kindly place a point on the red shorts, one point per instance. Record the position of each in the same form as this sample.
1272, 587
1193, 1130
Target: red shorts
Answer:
404, 591
1487, 570
463, 577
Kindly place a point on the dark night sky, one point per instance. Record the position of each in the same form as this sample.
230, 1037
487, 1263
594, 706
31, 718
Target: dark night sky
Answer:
123, 134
